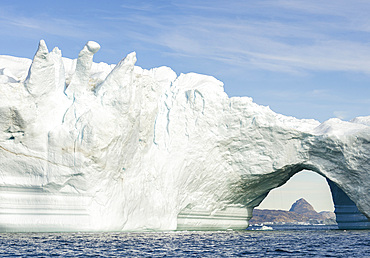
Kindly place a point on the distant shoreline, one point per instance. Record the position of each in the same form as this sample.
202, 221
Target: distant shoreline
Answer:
301, 213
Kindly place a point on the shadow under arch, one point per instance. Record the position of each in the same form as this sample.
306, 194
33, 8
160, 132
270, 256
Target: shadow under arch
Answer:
347, 214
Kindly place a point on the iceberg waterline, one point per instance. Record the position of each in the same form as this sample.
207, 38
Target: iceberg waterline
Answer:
87, 146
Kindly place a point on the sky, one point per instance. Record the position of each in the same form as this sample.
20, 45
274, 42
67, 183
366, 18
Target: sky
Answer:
308, 59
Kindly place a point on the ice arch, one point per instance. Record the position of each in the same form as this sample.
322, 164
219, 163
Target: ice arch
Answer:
86, 146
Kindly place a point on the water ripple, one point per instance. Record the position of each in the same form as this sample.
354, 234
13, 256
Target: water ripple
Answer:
332, 243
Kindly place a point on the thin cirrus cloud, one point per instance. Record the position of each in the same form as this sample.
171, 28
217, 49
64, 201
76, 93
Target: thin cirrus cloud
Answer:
36, 24
279, 36
289, 43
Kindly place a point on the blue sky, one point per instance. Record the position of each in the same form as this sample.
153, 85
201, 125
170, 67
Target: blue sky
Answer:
308, 59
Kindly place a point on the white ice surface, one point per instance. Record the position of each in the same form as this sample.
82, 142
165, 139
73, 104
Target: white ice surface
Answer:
118, 147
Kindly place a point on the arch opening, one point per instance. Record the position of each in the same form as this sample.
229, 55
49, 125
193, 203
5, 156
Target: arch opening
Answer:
323, 194
305, 184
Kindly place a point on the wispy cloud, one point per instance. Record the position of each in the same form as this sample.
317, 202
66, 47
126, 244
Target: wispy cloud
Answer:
272, 35
16, 23
312, 39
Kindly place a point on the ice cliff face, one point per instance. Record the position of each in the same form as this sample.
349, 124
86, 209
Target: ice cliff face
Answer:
122, 148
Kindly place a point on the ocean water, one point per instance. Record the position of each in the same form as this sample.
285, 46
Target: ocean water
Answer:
291, 242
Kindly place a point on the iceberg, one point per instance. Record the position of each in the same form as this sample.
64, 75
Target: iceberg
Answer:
89, 146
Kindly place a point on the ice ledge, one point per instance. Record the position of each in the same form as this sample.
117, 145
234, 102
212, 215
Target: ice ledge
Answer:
230, 218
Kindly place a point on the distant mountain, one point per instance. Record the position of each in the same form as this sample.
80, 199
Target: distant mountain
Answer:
300, 212
302, 207
276, 216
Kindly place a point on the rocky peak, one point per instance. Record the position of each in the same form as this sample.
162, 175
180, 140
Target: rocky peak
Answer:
301, 206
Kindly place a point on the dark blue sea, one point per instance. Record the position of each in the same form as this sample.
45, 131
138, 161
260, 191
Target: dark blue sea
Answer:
282, 241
